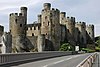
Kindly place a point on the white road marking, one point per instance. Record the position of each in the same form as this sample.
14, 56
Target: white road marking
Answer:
60, 61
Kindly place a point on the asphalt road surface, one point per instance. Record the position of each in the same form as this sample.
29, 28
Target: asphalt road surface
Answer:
64, 61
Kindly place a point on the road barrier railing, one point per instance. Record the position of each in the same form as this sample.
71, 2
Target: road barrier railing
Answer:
19, 57
88, 61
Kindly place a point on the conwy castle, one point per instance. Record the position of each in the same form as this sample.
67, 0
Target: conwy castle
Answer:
46, 34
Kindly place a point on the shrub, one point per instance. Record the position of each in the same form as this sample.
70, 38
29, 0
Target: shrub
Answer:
65, 47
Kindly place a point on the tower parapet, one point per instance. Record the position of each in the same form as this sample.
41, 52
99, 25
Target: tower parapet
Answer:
80, 26
71, 19
63, 14
90, 31
24, 11
47, 6
70, 24
62, 17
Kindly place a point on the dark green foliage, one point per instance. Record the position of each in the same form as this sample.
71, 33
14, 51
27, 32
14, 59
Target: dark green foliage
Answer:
87, 50
97, 43
65, 47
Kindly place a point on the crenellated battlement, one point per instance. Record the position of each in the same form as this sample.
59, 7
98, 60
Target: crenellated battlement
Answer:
23, 8
16, 15
63, 14
72, 19
90, 25
80, 23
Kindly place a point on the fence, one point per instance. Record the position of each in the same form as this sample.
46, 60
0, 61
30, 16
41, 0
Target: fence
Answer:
88, 61
11, 58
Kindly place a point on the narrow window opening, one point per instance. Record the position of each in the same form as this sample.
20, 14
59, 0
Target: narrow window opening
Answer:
48, 23
45, 17
30, 28
20, 25
34, 28
16, 20
32, 34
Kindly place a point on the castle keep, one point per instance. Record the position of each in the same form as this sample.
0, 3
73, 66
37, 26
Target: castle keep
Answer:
48, 32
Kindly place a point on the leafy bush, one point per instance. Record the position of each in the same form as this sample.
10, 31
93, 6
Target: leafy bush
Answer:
65, 47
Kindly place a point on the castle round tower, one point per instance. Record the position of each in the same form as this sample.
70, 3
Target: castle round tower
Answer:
82, 33
24, 12
18, 22
70, 26
90, 31
50, 25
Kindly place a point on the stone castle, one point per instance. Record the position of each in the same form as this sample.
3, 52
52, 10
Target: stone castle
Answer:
47, 34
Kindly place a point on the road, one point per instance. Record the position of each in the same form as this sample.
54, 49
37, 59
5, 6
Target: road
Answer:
64, 61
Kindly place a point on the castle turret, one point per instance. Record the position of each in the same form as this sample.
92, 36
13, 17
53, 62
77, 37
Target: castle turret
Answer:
17, 24
90, 31
39, 19
24, 12
47, 6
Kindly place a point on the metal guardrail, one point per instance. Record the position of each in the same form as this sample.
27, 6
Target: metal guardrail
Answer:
88, 61
19, 57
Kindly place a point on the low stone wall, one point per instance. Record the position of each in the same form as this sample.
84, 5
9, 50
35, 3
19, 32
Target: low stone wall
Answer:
18, 57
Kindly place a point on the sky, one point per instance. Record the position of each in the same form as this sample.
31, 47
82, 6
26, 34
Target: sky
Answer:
84, 10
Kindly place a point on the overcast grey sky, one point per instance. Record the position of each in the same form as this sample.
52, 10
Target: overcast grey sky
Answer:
84, 10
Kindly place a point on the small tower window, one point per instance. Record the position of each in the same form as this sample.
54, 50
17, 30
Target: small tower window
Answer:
48, 23
38, 28
45, 17
46, 33
26, 28
67, 30
34, 28
10, 30
16, 20
20, 25
32, 34
89, 33
30, 28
